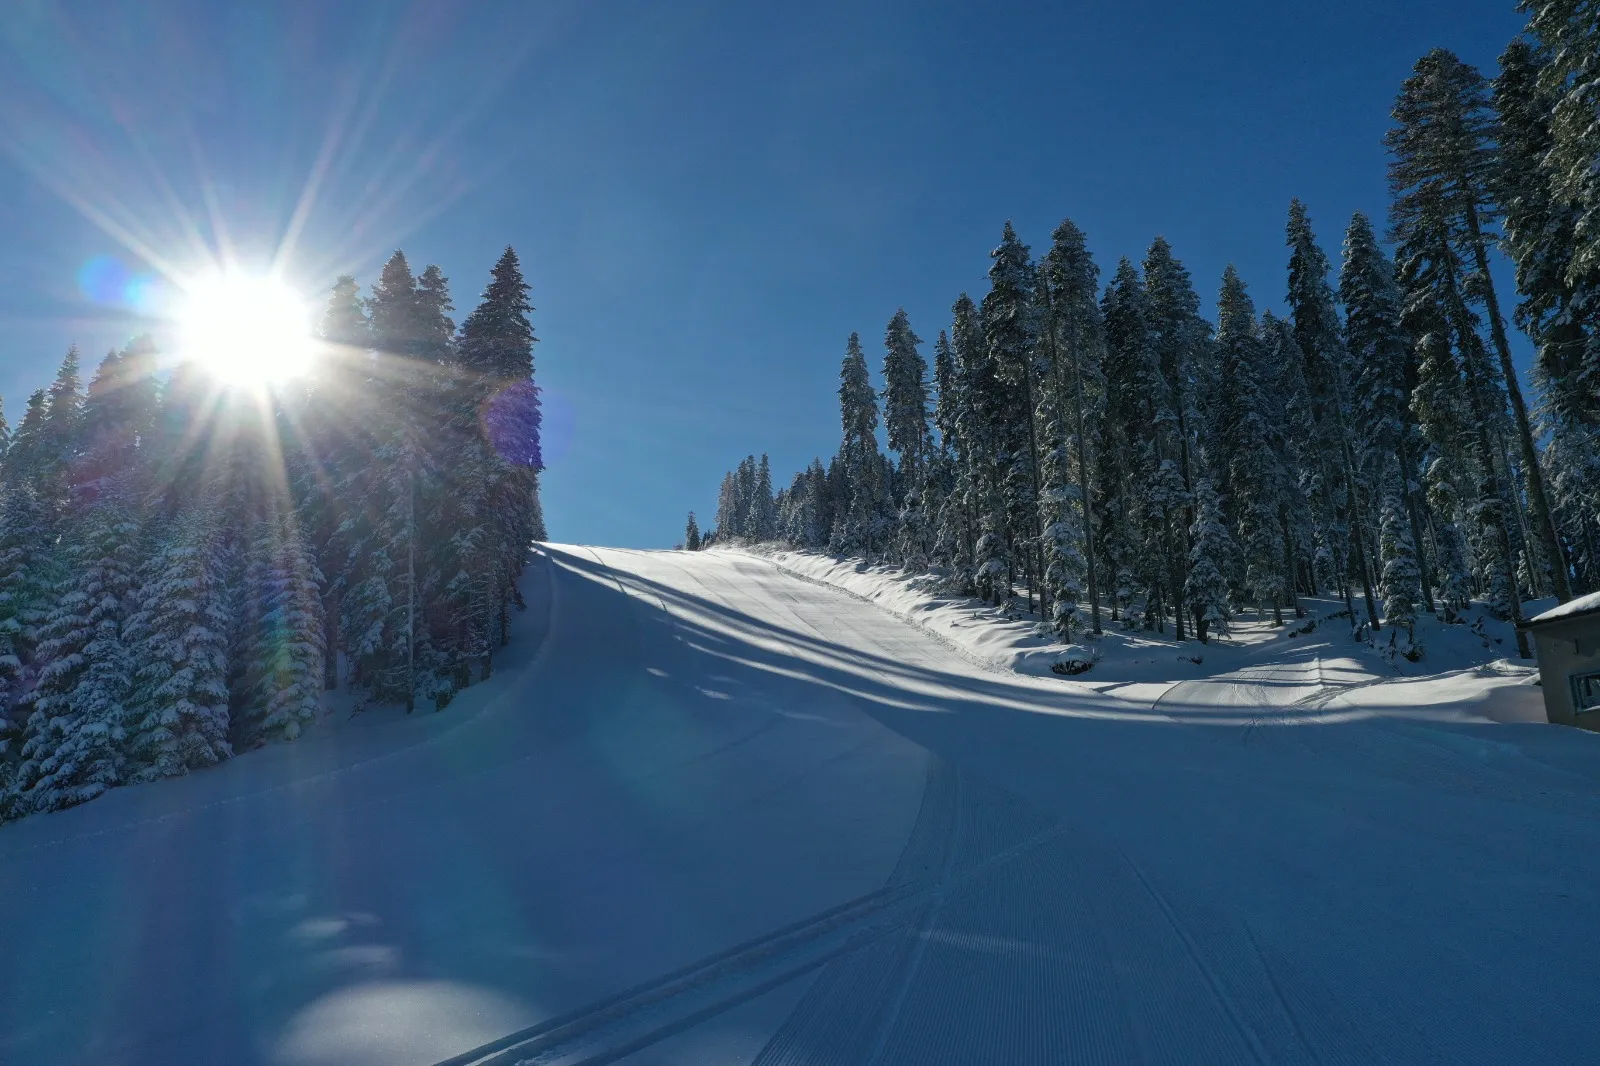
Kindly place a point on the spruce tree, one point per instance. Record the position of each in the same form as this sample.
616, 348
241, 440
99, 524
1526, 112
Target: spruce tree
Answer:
1211, 556
179, 635
1569, 33
1010, 330
1252, 469
1379, 353
282, 651
1560, 309
1444, 161
1399, 584
858, 411
1071, 402
905, 398
73, 743
691, 535
1317, 332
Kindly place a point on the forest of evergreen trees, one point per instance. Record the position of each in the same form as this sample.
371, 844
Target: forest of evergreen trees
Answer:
1107, 451
183, 569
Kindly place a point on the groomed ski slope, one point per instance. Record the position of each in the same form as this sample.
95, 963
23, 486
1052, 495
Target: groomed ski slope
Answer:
711, 812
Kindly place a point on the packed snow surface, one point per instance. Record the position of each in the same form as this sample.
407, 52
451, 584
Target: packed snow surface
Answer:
724, 808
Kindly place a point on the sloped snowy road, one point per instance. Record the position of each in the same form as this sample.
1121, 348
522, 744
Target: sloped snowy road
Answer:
727, 816
1239, 873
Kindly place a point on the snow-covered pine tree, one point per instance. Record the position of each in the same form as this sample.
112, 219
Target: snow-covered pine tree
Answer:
1560, 308
179, 637
1212, 555
1253, 473
72, 747
906, 423
729, 519
1444, 162
1400, 582
329, 458
384, 497
905, 398
278, 693
1454, 360
1182, 343
1068, 410
496, 344
858, 411
691, 534
971, 391
1379, 354
1569, 35
1318, 333
1010, 329
763, 507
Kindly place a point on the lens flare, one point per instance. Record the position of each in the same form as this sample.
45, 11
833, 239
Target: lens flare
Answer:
246, 330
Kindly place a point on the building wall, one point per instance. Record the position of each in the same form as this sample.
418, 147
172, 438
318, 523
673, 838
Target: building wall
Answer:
1567, 648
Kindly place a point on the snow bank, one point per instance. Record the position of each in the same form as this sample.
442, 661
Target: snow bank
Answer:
1464, 671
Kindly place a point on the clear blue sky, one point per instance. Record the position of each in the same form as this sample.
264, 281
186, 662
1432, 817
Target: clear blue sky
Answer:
708, 197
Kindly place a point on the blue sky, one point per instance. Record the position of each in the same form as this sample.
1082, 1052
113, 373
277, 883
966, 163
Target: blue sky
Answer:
708, 197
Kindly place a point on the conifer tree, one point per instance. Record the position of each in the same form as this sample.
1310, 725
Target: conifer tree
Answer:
73, 744
1443, 148
691, 534
1251, 473
179, 635
283, 649
858, 409
1181, 339
1379, 353
763, 520
1399, 584
905, 398
1211, 556
1010, 330
1069, 406
1560, 308
1318, 334
1569, 34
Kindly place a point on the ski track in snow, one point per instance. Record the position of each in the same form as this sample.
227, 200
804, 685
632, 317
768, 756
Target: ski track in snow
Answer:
731, 813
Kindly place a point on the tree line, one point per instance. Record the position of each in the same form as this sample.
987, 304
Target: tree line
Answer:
184, 569
1104, 450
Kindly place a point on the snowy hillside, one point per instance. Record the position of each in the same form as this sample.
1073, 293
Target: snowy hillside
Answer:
1465, 665
709, 811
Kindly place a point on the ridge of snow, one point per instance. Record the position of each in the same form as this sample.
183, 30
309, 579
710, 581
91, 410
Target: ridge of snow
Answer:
1580, 605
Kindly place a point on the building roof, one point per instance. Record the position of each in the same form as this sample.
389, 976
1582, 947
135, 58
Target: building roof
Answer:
1583, 605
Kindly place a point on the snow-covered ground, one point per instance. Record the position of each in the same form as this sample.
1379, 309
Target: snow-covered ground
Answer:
1467, 668
711, 811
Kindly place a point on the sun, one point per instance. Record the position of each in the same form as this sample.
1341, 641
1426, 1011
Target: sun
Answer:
245, 329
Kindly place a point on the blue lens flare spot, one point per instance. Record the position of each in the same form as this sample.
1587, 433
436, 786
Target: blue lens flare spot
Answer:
109, 282
103, 279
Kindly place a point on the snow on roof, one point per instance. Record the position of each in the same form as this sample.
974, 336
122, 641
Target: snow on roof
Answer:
1582, 605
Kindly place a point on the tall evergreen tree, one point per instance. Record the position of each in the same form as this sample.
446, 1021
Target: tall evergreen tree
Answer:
179, 636
1318, 333
1069, 405
1211, 557
905, 398
691, 534
1569, 33
1444, 161
1010, 330
858, 411
1251, 473
283, 649
1379, 353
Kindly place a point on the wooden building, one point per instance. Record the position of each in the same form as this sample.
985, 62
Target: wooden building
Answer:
1567, 639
